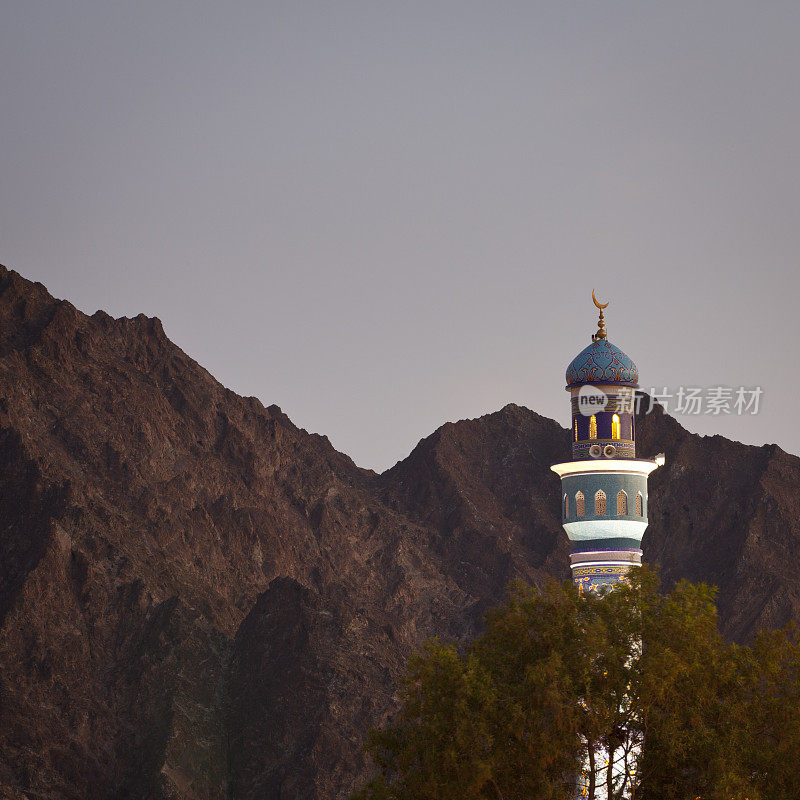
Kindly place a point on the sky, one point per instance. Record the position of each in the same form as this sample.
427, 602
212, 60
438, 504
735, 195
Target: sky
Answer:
385, 216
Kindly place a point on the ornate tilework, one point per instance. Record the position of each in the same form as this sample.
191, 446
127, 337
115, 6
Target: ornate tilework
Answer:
623, 449
602, 362
595, 570
597, 578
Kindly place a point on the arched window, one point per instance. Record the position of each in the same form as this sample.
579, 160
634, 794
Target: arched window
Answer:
622, 504
576, 429
615, 426
600, 502
639, 512
566, 506
593, 427
580, 507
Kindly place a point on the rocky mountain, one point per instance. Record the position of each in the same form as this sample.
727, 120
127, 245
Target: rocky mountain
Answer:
200, 600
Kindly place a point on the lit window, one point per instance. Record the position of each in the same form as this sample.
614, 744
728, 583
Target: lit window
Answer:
622, 503
576, 429
593, 427
580, 508
639, 512
600, 503
615, 426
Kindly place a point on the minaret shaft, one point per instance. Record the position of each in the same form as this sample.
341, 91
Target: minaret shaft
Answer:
604, 503
604, 512
604, 487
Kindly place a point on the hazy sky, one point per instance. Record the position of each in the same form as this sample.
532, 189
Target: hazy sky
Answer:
386, 215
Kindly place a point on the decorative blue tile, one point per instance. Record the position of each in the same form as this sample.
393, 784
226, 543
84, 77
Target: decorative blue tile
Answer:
602, 362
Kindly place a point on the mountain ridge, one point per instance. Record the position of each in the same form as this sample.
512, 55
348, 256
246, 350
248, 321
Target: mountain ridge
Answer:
198, 599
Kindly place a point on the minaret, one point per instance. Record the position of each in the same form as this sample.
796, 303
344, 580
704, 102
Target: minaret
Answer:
604, 487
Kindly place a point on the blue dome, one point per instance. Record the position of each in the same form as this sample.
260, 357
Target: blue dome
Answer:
602, 362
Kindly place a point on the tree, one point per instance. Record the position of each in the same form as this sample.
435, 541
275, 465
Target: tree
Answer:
636, 687
493, 722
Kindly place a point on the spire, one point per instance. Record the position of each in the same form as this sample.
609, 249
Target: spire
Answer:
601, 323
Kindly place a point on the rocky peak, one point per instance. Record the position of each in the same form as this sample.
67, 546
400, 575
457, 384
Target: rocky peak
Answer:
200, 600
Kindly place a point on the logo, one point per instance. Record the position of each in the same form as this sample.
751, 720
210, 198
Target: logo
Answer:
591, 400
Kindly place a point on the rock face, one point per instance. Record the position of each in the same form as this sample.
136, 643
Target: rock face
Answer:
200, 600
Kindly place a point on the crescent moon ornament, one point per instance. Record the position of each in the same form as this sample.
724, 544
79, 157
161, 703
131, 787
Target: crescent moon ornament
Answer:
601, 323
601, 306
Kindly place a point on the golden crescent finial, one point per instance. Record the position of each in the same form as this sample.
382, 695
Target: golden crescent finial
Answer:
601, 306
601, 323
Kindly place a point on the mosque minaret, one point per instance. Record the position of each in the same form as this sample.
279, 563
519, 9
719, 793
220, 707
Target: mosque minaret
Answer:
604, 495
604, 487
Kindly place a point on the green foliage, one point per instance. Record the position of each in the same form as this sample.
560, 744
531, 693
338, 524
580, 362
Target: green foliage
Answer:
558, 679
491, 723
